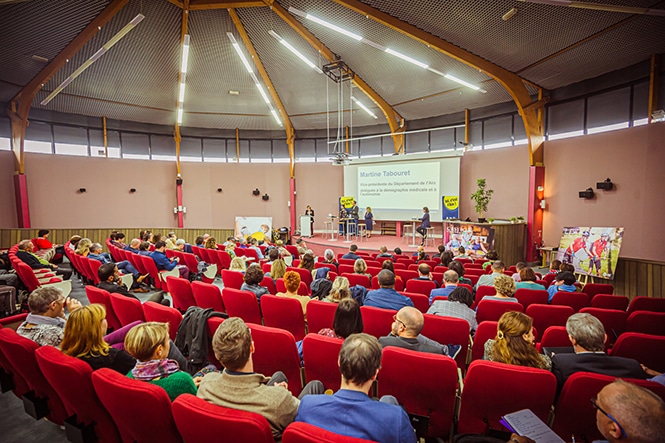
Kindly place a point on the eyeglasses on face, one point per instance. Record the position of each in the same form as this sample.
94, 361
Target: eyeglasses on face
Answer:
399, 321
595, 405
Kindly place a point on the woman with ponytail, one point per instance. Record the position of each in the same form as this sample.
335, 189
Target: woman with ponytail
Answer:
514, 343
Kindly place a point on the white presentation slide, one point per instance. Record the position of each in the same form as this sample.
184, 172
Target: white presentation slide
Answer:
412, 184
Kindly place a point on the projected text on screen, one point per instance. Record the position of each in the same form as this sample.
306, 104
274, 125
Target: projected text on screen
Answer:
403, 186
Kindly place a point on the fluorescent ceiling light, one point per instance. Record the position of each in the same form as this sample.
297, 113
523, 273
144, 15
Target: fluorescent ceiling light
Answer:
263, 93
325, 23
185, 54
274, 114
179, 115
181, 96
363, 107
101, 51
295, 51
407, 58
462, 82
236, 46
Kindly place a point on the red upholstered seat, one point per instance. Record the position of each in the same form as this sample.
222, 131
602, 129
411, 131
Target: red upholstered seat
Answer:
299, 432
486, 330
242, 304
399, 283
156, 312
575, 415
576, 300
613, 320
528, 297
555, 337
305, 275
420, 286
20, 352
357, 279
208, 296
320, 355
280, 287
276, 351
592, 289
481, 292
419, 393
492, 310
545, 316
377, 321
646, 322
102, 297
647, 304
181, 293
493, 389
420, 301
645, 348
151, 268
94, 270
447, 331
141, 410
406, 275
62, 373
127, 309
269, 284
232, 279
283, 313
199, 421
320, 315
608, 301
221, 258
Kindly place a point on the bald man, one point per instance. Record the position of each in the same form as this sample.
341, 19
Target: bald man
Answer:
405, 333
638, 415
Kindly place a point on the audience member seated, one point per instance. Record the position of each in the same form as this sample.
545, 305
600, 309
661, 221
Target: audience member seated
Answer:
133, 246
25, 248
83, 247
397, 251
656, 376
144, 248
518, 268
44, 248
505, 289
110, 281
564, 281
230, 240
458, 305
239, 387
84, 338
461, 252
388, 264
127, 268
450, 281
199, 241
514, 343
149, 344
420, 254
405, 333
165, 263
351, 411
171, 238
211, 243
492, 256
458, 267
283, 252
440, 248
254, 245
329, 257
119, 241
252, 279
351, 255
74, 241
230, 249
277, 269
45, 323
339, 291
587, 335
307, 262
273, 254
425, 274
360, 267
630, 413
554, 267
238, 264
386, 296
301, 245
383, 252
488, 279
528, 280
321, 286
446, 258
348, 320
182, 246
292, 283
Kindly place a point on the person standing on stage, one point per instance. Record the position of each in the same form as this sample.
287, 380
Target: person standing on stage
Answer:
309, 211
369, 222
422, 229
354, 214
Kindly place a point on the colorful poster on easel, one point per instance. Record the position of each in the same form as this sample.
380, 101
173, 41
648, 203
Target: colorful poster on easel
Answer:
593, 251
476, 239
450, 207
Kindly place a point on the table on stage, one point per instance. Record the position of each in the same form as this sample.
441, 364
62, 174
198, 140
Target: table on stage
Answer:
345, 221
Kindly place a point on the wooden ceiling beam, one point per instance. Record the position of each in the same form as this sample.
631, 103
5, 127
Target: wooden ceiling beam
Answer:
513, 83
395, 120
288, 126
202, 5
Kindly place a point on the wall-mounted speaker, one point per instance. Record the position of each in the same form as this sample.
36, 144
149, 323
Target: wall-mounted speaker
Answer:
133, 190
256, 192
265, 197
219, 189
606, 185
82, 190
588, 194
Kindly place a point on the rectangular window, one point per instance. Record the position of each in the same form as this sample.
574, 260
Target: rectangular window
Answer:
134, 144
322, 150
475, 134
70, 149
565, 118
498, 131
613, 127
190, 149
38, 147
370, 147
280, 151
136, 156
498, 145
5, 144
244, 152
164, 158
161, 146
71, 135
214, 150
261, 151
442, 139
608, 109
417, 142
305, 150
98, 151
566, 135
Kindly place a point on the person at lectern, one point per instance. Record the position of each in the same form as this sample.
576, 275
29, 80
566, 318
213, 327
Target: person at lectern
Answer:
422, 229
309, 211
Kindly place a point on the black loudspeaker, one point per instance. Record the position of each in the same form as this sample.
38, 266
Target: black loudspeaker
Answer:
133, 190
265, 197
178, 181
606, 185
256, 192
587, 194
82, 190
219, 189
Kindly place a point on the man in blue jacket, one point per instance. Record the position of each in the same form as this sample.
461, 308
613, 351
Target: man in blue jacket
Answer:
166, 264
387, 297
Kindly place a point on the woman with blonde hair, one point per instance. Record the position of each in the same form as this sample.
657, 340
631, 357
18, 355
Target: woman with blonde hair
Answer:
83, 338
360, 267
83, 247
277, 269
292, 283
238, 264
149, 344
505, 288
514, 343
340, 290
230, 249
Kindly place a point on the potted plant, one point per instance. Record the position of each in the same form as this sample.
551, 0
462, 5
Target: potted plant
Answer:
520, 219
513, 220
482, 197
490, 220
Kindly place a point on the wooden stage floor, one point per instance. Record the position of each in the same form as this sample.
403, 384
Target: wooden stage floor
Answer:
319, 243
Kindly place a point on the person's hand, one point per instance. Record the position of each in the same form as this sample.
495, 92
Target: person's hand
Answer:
54, 267
514, 438
72, 304
650, 372
176, 259
197, 381
283, 384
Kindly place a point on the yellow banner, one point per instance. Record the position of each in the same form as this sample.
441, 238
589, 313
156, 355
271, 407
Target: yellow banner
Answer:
346, 202
451, 202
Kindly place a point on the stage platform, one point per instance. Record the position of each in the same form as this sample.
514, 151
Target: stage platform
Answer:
319, 243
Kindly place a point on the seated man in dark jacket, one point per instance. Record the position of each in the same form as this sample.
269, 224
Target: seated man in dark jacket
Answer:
25, 248
110, 282
164, 263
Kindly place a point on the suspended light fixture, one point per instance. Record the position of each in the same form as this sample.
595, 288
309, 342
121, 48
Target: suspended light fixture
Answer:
407, 58
328, 25
363, 107
183, 76
295, 51
101, 51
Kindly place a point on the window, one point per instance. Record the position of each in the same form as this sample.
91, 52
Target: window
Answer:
442, 139
5, 144
498, 131
38, 147
98, 151
305, 151
606, 128
244, 152
134, 144
417, 142
371, 147
608, 109
565, 118
214, 150
261, 151
71, 149
566, 135
280, 151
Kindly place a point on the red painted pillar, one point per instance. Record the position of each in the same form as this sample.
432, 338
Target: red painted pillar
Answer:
21, 198
535, 212
292, 204
178, 190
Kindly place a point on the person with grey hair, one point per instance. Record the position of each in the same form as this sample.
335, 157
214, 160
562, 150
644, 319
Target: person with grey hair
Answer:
125, 266
329, 257
27, 256
488, 279
450, 282
631, 413
587, 335
133, 246
46, 321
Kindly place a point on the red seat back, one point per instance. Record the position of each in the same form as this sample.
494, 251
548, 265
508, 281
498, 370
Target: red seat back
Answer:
320, 354
448, 330
94, 269
608, 301
127, 309
486, 330
61, 372
592, 289
545, 316
20, 352
406, 275
528, 297
420, 286
163, 314
647, 304
280, 287
481, 292
320, 315
102, 297
276, 351
646, 322
399, 283
576, 300
549, 278
207, 296
232, 279
377, 321
283, 313
301, 432
269, 284
649, 350
141, 410
416, 393
555, 337
420, 301
492, 310
305, 275
242, 304
151, 268
198, 420
613, 320
190, 261
357, 279
20, 386
220, 257
485, 401
181, 293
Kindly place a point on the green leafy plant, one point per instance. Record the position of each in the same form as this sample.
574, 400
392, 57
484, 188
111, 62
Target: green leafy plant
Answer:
520, 219
482, 197
513, 219
490, 219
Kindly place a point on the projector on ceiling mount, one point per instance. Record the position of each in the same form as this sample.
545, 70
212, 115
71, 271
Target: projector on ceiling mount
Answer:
340, 159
